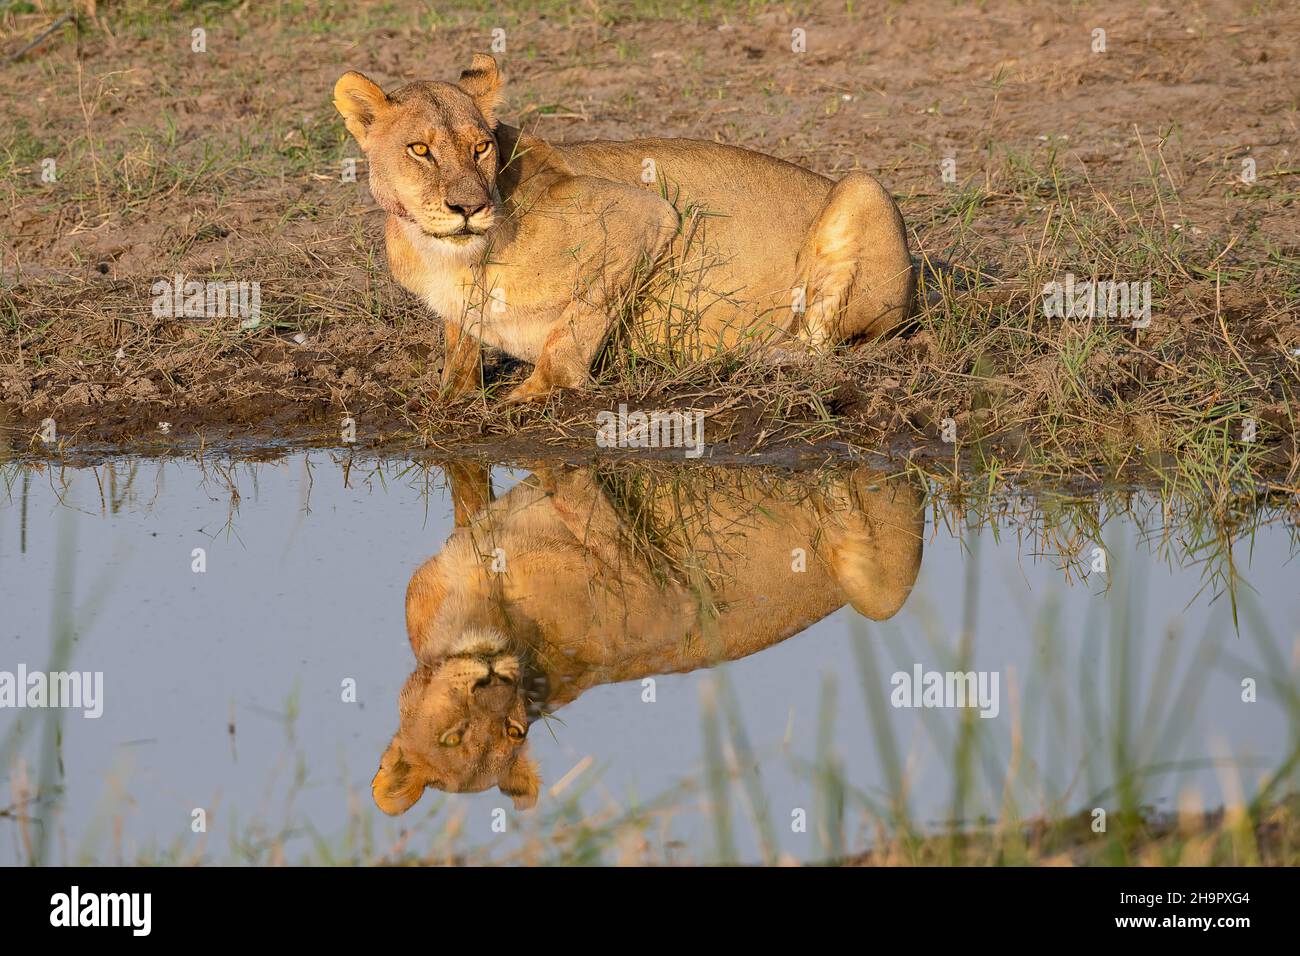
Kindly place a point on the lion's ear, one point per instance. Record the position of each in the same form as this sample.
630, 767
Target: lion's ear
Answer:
521, 782
397, 785
360, 101
482, 81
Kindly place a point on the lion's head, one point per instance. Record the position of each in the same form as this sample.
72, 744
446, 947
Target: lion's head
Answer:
463, 728
432, 150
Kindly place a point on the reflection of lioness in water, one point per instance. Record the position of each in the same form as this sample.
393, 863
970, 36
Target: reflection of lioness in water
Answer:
535, 247
574, 580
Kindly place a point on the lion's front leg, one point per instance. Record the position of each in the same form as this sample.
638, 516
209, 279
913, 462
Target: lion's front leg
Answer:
462, 362
601, 528
471, 490
629, 229
570, 348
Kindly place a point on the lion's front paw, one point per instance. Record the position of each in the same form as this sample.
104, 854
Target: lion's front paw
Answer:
458, 385
531, 389
452, 392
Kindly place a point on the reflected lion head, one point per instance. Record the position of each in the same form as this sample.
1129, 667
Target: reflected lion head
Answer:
463, 728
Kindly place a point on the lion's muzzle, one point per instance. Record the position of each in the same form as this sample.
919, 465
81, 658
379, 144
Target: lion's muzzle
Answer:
496, 695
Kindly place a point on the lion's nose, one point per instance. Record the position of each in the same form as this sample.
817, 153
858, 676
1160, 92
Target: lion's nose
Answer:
467, 208
495, 694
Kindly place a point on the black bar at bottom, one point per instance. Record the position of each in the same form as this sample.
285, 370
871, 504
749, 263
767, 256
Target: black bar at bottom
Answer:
217, 905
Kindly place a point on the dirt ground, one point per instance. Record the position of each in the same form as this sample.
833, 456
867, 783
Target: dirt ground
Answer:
1133, 163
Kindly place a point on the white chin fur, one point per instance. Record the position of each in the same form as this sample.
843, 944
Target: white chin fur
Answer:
484, 641
432, 247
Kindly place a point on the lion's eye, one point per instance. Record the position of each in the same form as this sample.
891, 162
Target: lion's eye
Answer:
482, 149
419, 149
514, 733
451, 740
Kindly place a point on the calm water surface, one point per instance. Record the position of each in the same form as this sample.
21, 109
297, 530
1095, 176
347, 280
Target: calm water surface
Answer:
720, 659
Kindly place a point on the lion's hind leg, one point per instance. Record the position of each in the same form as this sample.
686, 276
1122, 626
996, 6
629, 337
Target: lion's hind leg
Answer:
853, 269
871, 530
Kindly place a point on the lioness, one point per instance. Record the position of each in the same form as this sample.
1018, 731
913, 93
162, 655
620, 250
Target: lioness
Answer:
577, 579
536, 248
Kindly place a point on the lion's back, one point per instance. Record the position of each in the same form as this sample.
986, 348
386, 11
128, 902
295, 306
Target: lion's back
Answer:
752, 213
